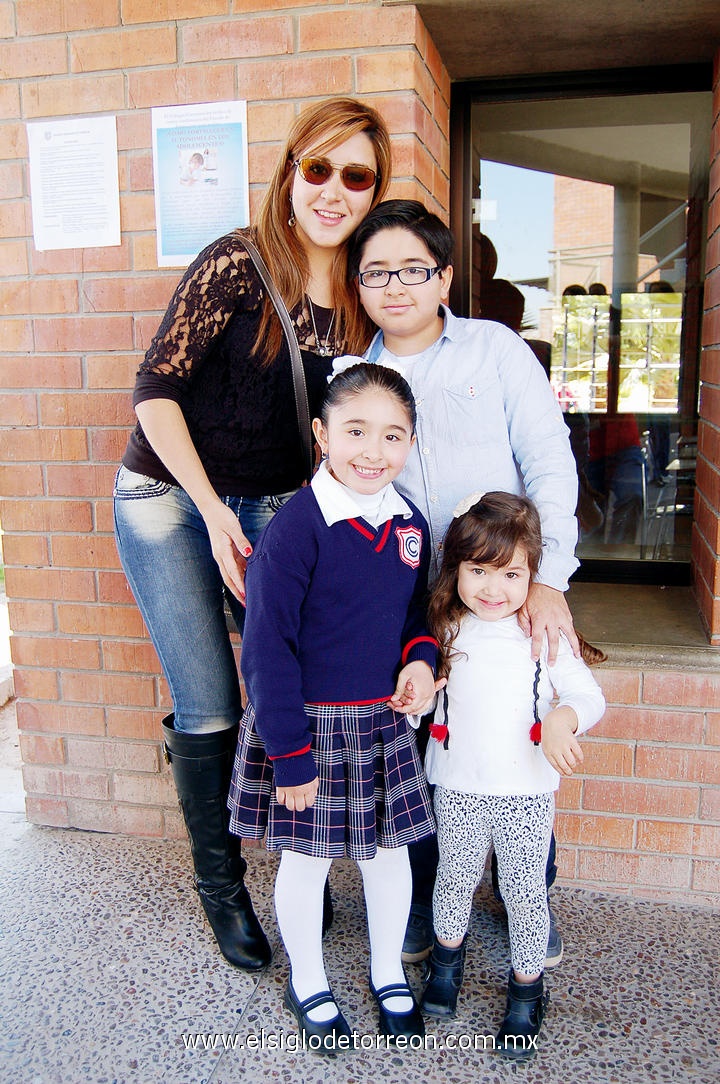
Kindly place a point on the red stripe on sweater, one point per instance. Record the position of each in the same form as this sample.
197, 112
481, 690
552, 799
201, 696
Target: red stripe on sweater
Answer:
384, 538
418, 640
363, 530
297, 753
347, 703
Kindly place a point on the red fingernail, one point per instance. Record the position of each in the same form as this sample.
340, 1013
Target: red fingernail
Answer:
247, 551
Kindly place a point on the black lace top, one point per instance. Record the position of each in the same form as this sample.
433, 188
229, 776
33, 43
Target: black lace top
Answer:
240, 414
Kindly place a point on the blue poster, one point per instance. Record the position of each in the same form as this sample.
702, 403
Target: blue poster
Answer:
201, 177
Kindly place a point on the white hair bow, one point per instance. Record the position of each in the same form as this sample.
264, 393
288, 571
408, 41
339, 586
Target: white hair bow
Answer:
467, 502
348, 360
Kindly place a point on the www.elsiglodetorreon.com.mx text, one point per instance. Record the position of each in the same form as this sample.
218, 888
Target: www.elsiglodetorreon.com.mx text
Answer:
292, 1042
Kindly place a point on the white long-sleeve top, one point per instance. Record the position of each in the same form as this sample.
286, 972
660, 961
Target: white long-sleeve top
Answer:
490, 710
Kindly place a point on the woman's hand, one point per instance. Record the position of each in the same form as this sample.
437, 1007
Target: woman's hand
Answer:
298, 798
559, 744
165, 427
416, 688
230, 547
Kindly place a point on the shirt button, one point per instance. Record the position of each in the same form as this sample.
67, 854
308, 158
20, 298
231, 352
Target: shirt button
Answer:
434, 499
426, 451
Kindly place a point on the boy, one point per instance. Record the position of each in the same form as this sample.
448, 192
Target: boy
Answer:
487, 419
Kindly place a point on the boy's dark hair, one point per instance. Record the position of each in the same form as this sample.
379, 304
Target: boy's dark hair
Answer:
408, 214
360, 377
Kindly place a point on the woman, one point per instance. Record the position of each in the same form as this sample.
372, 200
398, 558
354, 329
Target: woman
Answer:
217, 451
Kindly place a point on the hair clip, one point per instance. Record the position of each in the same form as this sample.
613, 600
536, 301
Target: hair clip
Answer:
467, 502
348, 360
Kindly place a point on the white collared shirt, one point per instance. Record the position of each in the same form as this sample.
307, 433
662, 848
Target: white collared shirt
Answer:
338, 502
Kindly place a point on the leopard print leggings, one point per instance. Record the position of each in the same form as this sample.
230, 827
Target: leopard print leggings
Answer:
519, 827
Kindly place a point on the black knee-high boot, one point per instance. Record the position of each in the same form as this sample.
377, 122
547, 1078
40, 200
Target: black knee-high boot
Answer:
524, 1011
201, 766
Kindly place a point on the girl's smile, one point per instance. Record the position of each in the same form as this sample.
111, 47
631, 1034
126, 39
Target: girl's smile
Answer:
492, 593
365, 472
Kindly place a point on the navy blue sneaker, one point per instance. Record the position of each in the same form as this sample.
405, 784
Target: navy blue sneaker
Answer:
418, 941
555, 947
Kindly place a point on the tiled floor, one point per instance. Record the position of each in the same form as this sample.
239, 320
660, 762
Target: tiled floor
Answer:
109, 972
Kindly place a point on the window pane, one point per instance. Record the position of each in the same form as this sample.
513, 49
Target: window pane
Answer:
580, 235
650, 327
580, 352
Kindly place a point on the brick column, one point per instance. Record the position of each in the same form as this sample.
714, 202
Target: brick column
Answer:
74, 326
706, 531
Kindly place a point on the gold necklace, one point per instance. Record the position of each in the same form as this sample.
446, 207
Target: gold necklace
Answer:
323, 349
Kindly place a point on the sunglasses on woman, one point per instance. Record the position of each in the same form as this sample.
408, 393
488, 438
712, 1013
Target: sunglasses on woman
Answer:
317, 170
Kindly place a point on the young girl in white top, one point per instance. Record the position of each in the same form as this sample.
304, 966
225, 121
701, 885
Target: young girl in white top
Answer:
499, 750
336, 652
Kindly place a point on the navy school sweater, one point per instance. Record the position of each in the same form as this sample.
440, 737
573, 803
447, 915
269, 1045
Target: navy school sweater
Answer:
333, 613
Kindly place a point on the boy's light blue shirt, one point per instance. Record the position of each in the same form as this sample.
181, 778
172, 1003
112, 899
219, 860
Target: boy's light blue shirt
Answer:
487, 419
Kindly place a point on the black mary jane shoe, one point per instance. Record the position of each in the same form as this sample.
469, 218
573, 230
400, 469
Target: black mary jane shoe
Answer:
394, 1024
323, 1037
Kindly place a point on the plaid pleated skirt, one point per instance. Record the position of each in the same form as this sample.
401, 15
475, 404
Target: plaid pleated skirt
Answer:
372, 788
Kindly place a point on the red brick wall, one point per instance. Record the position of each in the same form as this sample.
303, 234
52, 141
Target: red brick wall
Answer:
706, 529
643, 817
583, 224
74, 325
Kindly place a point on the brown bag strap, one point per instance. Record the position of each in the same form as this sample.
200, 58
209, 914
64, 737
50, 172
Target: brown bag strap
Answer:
302, 408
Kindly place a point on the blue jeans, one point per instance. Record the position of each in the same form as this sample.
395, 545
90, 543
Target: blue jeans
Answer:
165, 551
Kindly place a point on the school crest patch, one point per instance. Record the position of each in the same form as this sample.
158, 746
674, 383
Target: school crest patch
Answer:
410, 544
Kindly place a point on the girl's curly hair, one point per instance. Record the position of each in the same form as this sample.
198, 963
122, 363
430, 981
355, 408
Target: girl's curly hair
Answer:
488, 533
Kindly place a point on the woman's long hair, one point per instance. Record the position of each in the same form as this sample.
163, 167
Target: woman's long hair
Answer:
318, 129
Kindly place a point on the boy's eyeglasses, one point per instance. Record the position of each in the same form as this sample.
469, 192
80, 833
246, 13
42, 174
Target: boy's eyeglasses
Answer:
408, 276
316, 170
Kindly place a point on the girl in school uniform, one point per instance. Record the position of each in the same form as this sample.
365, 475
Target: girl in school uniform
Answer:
335, 653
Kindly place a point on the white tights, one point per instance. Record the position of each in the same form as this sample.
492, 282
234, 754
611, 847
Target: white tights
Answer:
299, 887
